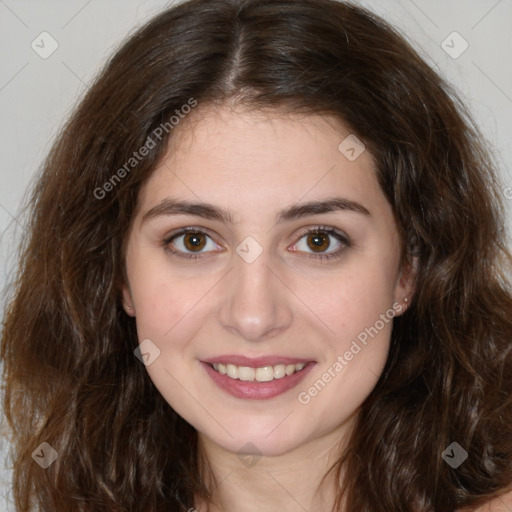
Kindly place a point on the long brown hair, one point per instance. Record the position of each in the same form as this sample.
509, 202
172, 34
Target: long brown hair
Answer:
70, 376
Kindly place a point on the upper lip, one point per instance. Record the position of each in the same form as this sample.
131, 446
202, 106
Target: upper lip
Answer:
255, 362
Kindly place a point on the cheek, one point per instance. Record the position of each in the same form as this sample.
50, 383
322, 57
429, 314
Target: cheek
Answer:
169, 312
358, 309
350, 299
165, 301
160, 306
356, 303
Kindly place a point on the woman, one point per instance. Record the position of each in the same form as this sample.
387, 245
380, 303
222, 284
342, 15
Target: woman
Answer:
266, 270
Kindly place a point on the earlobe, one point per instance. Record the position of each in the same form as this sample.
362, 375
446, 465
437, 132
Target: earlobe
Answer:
127, 301
405, 285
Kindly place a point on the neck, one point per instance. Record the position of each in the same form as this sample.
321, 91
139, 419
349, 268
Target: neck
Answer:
290, 482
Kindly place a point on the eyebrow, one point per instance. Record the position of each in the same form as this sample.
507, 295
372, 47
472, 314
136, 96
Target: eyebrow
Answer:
170, 206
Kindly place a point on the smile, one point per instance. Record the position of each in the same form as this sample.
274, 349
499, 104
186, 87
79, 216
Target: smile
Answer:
257, 383
261, 374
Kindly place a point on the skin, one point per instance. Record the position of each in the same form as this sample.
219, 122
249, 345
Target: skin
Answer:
284, 303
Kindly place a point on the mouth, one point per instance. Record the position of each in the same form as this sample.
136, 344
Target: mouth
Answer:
260, 374
259, 381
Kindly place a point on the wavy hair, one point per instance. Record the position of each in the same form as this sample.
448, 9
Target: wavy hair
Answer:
70, 376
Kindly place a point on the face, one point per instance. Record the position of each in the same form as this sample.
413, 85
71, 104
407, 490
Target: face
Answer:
287, 278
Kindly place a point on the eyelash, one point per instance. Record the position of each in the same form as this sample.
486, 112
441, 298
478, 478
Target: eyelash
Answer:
342, 238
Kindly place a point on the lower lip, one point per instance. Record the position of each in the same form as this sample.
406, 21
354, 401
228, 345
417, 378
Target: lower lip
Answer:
254, 390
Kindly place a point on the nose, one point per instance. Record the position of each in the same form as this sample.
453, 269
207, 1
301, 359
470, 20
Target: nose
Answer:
257, 302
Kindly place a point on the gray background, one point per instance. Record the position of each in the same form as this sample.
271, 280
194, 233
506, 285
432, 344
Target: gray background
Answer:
36, 94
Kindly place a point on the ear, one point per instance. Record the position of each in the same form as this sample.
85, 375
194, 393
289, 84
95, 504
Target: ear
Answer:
127, 300
404, 288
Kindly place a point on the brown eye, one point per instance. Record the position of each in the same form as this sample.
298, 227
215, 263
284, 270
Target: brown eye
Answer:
318, 242
194, 241
190, 243
319, 239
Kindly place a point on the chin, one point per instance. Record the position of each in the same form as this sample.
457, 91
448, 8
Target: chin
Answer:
259, 446
265, 438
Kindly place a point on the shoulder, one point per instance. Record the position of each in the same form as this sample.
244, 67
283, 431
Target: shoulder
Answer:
500, 504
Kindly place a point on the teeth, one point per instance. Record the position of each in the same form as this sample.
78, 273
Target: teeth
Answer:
246, 373
262, 374
279, 371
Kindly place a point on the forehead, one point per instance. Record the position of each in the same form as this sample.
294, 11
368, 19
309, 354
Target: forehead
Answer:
249, 135
261, 159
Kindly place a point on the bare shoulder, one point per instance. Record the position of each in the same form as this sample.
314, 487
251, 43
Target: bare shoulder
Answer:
501, 504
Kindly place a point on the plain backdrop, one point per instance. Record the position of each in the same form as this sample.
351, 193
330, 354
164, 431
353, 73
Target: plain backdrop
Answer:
37, 94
